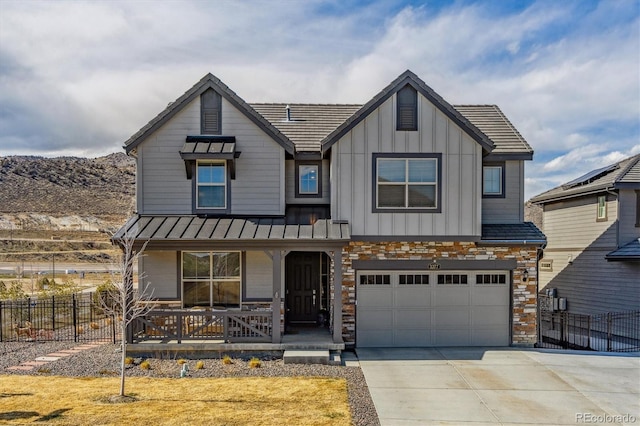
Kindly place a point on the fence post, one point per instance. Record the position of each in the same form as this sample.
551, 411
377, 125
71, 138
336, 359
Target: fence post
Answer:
29, 309
113, 328
75, 323
609, 321
53, 313
589, 332
1, 321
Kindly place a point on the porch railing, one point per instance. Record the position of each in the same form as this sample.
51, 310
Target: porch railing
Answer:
226, 326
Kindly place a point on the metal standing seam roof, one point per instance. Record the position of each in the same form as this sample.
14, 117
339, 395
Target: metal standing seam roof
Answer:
183, 228
622, 173
513, 232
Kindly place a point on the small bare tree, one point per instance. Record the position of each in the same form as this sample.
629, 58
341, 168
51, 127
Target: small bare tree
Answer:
122, 302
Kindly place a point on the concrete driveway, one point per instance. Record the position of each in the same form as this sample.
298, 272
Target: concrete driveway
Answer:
488, 386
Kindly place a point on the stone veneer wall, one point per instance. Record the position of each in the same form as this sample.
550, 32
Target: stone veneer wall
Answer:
524, 331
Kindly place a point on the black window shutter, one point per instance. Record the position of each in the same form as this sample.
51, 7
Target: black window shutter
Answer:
210, 107
407, 109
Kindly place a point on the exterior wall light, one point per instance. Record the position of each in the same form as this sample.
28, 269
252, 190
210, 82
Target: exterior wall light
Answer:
525, 275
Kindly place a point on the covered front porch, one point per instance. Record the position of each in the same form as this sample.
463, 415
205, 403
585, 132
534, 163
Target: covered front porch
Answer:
288, 293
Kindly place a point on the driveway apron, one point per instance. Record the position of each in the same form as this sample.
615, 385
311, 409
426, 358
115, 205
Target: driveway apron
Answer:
506, 386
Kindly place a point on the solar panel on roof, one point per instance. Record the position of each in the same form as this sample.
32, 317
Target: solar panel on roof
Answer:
589, 177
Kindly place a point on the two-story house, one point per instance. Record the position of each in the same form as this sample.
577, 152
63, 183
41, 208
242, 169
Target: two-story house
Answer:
401, 220
592, 257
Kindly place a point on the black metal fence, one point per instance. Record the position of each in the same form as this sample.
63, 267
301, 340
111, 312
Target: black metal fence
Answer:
76, 318
608, 332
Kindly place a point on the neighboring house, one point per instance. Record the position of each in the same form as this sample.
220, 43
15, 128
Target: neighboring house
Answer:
401, 219
592, 224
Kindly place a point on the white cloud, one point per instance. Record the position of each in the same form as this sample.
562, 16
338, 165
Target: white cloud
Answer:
83, 76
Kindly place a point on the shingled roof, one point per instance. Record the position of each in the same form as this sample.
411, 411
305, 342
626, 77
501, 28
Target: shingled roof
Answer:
623, 174
315, 127
493, 123
307, 124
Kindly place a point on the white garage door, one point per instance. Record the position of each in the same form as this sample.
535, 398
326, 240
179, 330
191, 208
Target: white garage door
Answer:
432, 308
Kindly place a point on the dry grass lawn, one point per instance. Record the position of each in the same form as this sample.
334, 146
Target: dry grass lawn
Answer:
225, 401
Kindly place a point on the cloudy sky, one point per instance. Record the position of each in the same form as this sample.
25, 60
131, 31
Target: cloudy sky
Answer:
78, 78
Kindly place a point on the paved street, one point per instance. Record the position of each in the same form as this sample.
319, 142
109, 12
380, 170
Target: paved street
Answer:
507, 386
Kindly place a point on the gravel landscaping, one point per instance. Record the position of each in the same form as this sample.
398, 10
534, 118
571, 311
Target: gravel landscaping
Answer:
105, 361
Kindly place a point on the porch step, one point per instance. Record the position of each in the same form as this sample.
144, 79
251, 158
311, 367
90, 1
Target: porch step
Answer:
306, 357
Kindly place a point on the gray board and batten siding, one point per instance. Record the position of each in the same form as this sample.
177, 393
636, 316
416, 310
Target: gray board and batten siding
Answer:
351, 196
163, 187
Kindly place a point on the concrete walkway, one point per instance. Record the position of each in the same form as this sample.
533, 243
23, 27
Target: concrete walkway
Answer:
506, 386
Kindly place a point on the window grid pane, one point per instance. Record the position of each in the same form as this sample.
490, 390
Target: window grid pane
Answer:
407, 183
308, 179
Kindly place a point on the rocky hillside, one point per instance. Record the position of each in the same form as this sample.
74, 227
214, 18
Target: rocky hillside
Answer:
66, 191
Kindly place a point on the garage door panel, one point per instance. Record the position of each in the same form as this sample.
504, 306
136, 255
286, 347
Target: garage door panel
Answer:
376, 319
446, 296
405, 312
452, 337
413, 318
484, 295
375, 338
489, 315
408, 338
410, 297
498, 336
376, 297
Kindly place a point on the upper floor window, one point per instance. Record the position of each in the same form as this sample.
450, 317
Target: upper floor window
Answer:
602, 208
407, 109
493, 181
210, 111
406, 182
211, 185
308, 179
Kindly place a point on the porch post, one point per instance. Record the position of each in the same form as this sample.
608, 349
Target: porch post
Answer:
276, 258
337, 295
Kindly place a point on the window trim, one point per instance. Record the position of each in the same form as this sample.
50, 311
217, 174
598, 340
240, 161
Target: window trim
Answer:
406, 156
400, 125
195, 185
217, 109
318, 164
637, 208
604, 217
211, 280
501, 166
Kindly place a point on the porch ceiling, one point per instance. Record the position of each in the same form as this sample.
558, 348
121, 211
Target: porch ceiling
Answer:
179, 231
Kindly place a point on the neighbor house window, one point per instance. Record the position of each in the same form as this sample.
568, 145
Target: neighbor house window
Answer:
211, 112
637, 208
493, 181
407, 109
309, 179
211, 279
211, 185
602, 208
406, 182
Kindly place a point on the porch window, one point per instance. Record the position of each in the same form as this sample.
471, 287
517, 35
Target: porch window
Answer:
211, 279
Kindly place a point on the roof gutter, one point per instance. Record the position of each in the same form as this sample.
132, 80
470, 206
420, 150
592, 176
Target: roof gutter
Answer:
533, 242
565, 197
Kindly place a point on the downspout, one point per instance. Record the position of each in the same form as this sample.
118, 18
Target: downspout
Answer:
615, 194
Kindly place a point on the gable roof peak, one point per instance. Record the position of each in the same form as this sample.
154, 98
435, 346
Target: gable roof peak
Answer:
438, 101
